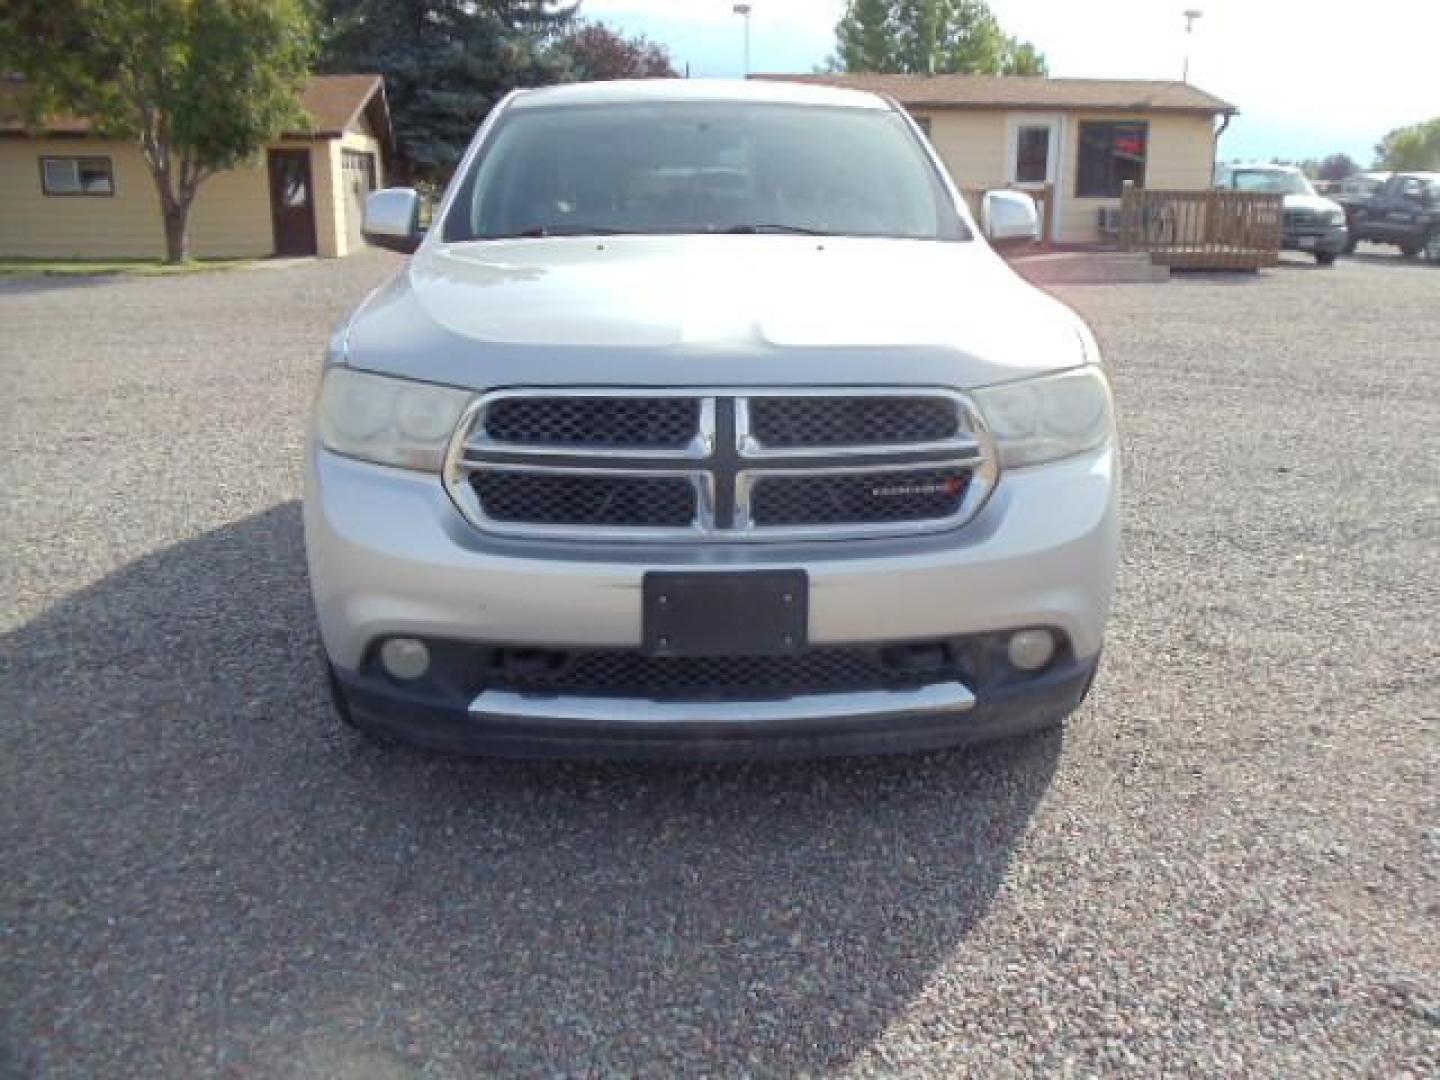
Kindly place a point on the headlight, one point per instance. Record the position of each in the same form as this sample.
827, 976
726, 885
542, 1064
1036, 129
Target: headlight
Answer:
1045, 419
1334, 217
389, 421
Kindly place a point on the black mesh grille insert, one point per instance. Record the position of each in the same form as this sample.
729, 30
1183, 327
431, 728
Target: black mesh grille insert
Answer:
865, 498
566, 499
629, 673
594, 421
852, 421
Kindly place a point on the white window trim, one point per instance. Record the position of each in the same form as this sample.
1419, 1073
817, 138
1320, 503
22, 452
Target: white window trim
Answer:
1055, 122
1053, 156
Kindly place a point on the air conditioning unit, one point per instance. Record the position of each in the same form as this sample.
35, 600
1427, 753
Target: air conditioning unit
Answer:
1109, 219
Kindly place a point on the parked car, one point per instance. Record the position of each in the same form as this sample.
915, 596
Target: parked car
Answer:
1311, 222
629, 462
1358, 188
1404, 212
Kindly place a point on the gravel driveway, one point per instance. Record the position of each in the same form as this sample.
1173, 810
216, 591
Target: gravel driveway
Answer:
1229, 863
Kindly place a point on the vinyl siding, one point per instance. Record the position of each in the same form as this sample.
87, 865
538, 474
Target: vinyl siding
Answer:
1180, 154
36, 225
971, 142
230, 217
974, 146
347, 231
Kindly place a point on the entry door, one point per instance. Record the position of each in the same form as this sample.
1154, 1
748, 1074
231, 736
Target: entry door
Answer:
1032, 160
1033, 154
292, 202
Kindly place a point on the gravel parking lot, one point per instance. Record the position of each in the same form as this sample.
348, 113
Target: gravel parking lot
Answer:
1228, 864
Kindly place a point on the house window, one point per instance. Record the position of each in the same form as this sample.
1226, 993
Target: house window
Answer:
76, 176
1110, 154
1032, 155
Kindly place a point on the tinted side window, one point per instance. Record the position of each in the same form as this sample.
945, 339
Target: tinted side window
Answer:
1110, 153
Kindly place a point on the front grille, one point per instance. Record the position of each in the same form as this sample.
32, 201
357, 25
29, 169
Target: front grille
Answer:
629, 673
568, 499
1302, 219
719, 465
649, 422
852, 421
863, 497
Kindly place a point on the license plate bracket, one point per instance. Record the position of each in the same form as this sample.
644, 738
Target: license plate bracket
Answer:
745, 613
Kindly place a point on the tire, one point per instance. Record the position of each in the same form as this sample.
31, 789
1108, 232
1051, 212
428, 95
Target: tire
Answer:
1410, 249
1432, 248
1351, 243
1325, 258
338, 701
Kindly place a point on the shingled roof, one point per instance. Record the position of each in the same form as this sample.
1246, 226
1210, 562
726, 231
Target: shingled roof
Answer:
1023, 92
333, 102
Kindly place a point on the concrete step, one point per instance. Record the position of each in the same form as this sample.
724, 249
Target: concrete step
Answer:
1090, 268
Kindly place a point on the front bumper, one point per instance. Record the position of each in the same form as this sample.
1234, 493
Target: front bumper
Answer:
1331, 241
389, 555
823, 725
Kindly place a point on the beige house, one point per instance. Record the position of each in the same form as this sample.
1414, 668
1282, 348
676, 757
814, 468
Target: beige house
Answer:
66, 194
1083, 138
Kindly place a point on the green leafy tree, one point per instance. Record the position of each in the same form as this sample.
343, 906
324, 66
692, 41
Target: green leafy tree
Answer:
446, 63
1022, 58
597, 52
1416, 147
930, 37
1336, 167
199, 85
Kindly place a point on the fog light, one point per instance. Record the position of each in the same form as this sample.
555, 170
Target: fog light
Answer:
405, 658
1030, 650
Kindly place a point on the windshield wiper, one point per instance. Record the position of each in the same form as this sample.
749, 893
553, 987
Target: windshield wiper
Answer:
751, 230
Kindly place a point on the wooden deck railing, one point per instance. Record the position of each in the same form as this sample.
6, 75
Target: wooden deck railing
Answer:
1202, 230
1044, 202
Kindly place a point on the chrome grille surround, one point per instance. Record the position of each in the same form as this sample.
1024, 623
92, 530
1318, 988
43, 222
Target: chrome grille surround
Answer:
725, 463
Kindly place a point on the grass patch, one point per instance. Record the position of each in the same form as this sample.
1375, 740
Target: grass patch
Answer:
100, 267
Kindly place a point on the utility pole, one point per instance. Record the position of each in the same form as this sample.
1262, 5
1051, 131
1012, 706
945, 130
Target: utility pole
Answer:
743, 10
1191, 14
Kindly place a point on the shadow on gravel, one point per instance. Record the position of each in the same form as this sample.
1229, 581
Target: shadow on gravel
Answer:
206, 872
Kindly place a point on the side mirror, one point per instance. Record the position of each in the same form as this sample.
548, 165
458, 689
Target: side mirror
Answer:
392, 219
1009, 217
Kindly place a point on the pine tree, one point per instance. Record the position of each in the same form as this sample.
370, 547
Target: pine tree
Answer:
446, 63
864, 38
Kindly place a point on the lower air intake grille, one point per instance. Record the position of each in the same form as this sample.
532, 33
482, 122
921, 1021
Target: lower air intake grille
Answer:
576, 499
628, 673
858, 497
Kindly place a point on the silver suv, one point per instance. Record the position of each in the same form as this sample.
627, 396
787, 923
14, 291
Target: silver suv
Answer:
703, 422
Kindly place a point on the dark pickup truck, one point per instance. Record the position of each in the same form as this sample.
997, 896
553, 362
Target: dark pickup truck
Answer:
1404, 212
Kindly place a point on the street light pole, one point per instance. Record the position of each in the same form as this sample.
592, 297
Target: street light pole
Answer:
743, 10
1191, 14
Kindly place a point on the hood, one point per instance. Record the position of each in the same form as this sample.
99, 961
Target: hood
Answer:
1316, 204
710, 310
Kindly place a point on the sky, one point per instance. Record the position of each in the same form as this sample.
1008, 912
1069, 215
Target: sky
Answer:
1309, 78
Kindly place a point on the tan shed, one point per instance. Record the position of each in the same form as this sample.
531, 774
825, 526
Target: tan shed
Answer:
66, 194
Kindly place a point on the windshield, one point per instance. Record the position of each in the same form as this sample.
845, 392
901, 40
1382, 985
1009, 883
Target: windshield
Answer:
1271, 181
684, 167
